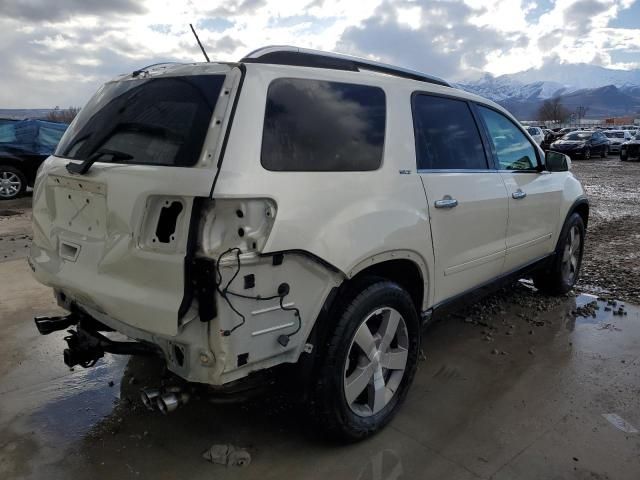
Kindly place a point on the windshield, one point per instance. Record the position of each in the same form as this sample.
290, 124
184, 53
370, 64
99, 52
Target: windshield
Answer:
614, 134
532, 131
154, 121
578, 136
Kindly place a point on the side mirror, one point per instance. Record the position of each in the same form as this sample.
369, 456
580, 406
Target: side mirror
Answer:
557, 162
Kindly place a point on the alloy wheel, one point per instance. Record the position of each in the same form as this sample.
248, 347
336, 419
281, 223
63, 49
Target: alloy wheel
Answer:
10, 184
376, 362
571, 256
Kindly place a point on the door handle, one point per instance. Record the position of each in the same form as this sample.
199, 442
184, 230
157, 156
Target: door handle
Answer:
518, 194
446, 202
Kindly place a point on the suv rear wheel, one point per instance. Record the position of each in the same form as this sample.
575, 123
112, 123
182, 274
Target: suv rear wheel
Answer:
12, 182
563, 274
369, 362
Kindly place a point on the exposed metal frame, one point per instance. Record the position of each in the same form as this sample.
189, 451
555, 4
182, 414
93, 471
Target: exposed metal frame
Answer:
304, 57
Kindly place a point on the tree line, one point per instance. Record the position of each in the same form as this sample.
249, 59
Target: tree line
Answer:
552, 110
64, 115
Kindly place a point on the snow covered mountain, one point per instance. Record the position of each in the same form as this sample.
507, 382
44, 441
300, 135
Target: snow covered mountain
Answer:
603, 91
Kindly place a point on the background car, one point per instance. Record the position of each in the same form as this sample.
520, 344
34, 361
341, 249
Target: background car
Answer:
537, 134
630, 150
24, 145
583, 144
549, 137
617, 138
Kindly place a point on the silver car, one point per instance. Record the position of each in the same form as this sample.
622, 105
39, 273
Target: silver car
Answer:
617, 138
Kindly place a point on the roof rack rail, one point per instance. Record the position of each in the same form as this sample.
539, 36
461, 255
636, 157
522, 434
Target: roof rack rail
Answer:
303, 57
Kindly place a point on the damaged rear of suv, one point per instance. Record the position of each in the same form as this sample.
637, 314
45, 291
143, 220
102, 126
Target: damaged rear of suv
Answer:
234, 217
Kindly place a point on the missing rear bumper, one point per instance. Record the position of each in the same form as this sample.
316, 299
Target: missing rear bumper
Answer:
85, 344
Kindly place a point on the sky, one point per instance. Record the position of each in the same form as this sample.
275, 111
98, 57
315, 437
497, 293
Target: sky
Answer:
58, 53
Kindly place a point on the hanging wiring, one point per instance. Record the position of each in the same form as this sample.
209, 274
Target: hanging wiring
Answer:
224, 292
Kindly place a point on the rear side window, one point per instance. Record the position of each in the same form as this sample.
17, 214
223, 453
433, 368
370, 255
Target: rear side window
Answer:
512, 147
156, 121
446, 135
313, 125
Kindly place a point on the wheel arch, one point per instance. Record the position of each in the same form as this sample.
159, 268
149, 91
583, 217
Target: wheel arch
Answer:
398, 268
581, 207
406, 268
14, 162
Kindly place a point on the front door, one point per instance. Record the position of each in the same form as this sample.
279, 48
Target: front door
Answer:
534, 195
467, 199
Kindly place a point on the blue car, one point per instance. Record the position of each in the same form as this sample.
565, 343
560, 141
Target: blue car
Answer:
24, 145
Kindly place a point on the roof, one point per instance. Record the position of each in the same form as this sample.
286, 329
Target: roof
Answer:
303, 57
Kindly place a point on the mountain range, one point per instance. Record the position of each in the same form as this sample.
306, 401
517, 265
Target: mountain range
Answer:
604, 92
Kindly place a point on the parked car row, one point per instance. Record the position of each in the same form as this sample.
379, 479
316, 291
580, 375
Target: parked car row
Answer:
587, 143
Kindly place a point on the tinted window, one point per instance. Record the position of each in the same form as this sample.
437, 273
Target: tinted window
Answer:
313, 125
446, 134
161, 121
513, 149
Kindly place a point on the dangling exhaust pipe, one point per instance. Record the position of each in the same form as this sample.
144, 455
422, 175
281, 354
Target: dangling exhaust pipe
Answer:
169, 402
149, 397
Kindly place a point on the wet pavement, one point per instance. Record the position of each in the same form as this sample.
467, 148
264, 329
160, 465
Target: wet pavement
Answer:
528, 403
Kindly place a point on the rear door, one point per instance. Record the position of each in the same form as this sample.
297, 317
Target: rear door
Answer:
467, 199
114, 239
534, 194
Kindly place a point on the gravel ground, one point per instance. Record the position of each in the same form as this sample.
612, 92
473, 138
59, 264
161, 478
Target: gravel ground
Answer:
611, 263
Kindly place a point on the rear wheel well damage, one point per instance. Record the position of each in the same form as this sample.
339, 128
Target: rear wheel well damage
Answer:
406, 273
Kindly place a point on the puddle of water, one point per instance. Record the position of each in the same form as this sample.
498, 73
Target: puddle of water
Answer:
68, 407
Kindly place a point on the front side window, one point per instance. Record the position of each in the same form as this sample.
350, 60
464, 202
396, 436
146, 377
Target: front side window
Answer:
513, 149
446, 135
157, 121
314, 125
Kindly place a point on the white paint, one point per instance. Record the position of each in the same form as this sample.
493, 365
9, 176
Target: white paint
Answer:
620, 423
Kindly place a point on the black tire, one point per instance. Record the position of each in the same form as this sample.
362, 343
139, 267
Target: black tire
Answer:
13, 182
586, 154
331, 411
605, 152
623, 158
553, 280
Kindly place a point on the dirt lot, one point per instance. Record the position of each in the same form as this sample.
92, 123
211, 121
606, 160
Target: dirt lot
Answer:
612, 256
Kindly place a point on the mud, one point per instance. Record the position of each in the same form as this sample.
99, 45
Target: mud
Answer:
519, 385
526, 413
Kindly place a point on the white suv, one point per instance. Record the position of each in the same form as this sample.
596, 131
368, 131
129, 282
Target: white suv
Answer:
296, 207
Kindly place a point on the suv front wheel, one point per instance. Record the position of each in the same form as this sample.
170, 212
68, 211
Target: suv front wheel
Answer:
563, 273
369, 362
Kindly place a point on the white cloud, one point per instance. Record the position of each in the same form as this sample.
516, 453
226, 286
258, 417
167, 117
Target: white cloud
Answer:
58, 54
